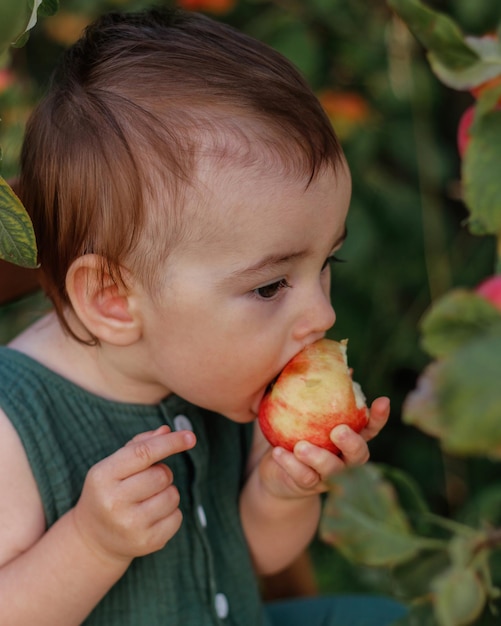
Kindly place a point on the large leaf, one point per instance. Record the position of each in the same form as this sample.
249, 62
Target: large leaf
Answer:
458, 61
48, 7
483, 507
363, 520
421, 407
14, 18
460, 596
18, 17
438, 33
455, 319
458, 399
407, 490
413, 578
480, 169
17, 239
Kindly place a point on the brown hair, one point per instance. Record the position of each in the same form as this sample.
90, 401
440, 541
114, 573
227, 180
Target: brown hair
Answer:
125, 114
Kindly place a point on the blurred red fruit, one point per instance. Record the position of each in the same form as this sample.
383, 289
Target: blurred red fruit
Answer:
490, 289
463, 135
6, 79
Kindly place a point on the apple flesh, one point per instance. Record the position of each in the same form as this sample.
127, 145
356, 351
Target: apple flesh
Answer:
313, 394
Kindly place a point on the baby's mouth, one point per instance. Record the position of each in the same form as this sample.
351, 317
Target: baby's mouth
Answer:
271, 384
265, 392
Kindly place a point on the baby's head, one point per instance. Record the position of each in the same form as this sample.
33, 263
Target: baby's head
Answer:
138, 108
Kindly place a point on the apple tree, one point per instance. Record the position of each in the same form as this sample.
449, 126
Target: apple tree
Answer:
376, 516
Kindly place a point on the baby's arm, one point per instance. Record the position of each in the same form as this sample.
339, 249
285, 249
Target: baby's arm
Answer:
128, 508
280, 502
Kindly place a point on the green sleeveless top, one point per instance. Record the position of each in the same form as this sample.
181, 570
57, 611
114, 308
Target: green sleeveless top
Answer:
204, 575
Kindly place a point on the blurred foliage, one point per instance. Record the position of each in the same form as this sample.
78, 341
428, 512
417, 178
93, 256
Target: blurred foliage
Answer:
372, 518
406, 246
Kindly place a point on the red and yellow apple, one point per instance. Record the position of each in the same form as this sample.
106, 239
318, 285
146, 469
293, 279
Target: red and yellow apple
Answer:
313, 394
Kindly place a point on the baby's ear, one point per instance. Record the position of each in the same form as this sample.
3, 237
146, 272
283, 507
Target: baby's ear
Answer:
104, 306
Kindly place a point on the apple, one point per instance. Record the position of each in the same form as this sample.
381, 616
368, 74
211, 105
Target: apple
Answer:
490, 289
313, 394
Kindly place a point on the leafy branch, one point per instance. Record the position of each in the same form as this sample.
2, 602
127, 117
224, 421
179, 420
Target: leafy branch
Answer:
376, 517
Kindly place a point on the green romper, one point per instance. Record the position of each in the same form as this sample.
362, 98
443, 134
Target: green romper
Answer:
204, 575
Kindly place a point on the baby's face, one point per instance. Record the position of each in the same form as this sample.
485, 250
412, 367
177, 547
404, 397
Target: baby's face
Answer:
248, 290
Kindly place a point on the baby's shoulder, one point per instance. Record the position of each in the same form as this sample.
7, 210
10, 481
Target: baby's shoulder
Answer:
21, 511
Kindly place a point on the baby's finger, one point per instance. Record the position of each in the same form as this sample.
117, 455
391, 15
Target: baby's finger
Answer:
325, 463
162, 519
302, 475
161, 506
353, 447
148, 483
379, 414
139, 455
163, 530
150, 433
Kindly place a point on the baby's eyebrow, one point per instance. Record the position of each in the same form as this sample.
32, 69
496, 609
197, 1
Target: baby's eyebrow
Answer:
275, 260
269, 261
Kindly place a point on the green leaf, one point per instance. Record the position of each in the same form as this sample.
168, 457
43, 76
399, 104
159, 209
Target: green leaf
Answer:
455, 319
487, 67
22, 40
480, 172
363, 520
408, 491
459, 596
461, 62
48, 7
18, 17
412, 579
17, 239
458, 399
484, 507
14, 17
421, 407
468, 78
470, 398
438, 33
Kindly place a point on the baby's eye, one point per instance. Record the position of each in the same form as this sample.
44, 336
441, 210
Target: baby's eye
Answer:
268, 292
330, 260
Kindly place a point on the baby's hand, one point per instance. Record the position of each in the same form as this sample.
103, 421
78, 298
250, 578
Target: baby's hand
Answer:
304, 471
129, 504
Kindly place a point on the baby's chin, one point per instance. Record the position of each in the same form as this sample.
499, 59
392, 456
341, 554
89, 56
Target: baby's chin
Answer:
244, 412
243, 415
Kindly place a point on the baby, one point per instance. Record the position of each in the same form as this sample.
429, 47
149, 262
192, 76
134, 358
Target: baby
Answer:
188, 196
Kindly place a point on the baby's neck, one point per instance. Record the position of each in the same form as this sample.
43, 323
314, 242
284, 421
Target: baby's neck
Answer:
108, 371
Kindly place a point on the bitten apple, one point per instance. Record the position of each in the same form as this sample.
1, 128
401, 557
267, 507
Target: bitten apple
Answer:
313, 394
